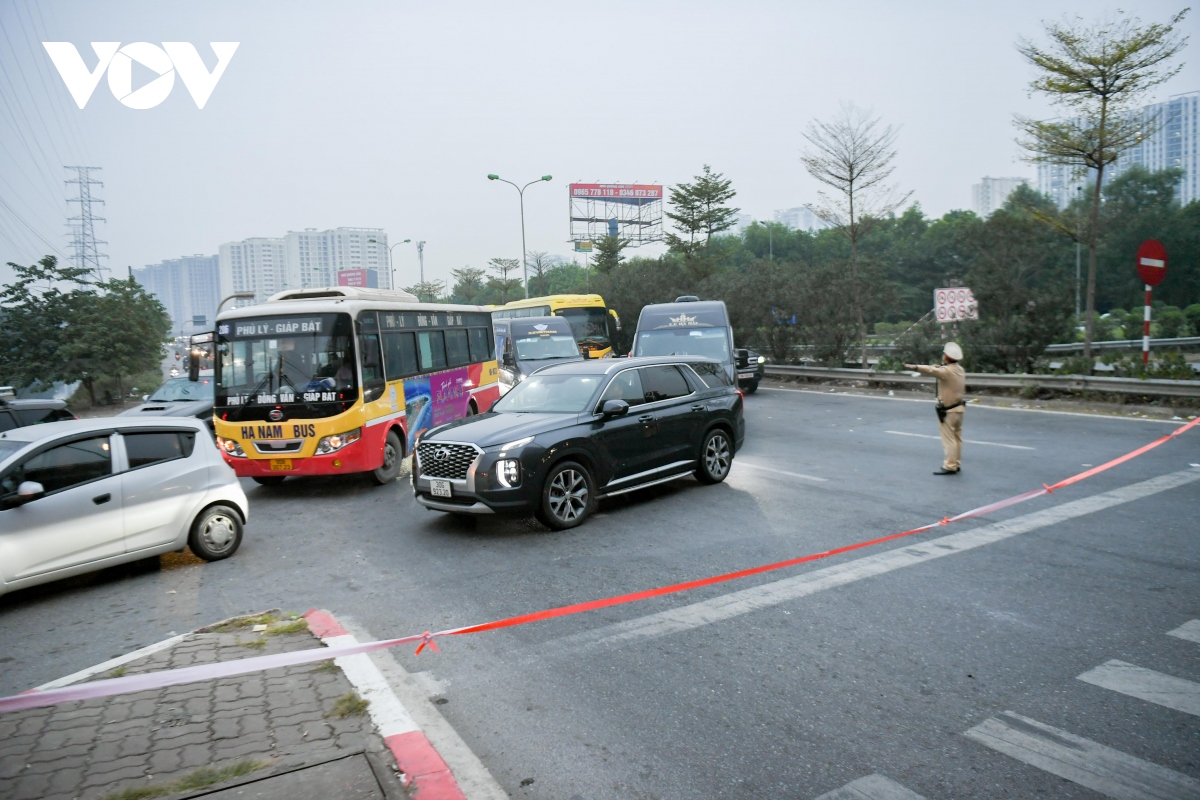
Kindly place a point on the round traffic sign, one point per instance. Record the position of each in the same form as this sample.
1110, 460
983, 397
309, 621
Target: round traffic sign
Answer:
1152, 262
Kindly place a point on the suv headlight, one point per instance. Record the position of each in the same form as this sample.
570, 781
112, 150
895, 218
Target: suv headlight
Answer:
230, 448
762, 359
331, 444
508, 472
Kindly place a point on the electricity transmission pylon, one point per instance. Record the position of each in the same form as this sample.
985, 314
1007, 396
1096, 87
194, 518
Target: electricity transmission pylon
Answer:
87, 253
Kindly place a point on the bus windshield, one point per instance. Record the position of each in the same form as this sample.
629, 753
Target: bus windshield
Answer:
708, 342
286, 360
590, 326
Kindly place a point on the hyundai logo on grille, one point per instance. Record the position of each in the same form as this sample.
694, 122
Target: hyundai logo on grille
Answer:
446, 460
441, 454
275, 415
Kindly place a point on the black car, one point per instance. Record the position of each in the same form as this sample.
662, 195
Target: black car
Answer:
573, 433
750, 369
19, 413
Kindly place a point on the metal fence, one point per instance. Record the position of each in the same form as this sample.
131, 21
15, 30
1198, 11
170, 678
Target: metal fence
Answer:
985, 380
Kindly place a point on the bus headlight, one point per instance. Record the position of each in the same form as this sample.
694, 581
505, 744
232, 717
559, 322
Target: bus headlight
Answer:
508, 472
230, 448
331, 444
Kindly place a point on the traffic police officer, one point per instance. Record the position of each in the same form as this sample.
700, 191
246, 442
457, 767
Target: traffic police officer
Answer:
951, 386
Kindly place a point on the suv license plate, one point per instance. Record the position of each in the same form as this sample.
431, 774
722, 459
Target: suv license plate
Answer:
281, 464
439, 488
745, 374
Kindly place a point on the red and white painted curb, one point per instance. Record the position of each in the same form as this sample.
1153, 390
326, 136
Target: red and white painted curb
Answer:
423, 767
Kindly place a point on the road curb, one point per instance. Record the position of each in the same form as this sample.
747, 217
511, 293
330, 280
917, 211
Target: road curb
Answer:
424, 770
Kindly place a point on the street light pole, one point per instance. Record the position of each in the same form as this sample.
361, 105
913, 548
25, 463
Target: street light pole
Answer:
234, 296
521, 192
391, 265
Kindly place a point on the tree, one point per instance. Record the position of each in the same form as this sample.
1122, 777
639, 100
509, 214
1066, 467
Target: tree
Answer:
699, 214
36, 315
428, 291
539, 263
608, 253
1098, 74
853, 156
502, 284
468, 284
117, 331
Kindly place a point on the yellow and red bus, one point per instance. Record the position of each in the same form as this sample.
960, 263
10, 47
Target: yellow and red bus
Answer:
344, 379
593, 324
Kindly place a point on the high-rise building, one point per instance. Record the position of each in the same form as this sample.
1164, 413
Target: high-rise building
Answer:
301, 259
1174, 143
800, 219
315, 257
256, 265
990, 193
188, 287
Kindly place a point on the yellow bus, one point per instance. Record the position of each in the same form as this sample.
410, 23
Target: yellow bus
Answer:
344, 379
594, 325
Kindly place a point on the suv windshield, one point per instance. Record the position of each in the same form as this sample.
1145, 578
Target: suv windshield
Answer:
181, 390
540, 346
708, 342
286, 360
590, 326
549, 394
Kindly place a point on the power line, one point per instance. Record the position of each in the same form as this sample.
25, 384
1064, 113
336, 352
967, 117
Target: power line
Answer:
32, 230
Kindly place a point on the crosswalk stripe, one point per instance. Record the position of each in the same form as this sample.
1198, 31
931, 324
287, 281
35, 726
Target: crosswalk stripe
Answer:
1146, 684
1189, 630
1099, 768
872, 787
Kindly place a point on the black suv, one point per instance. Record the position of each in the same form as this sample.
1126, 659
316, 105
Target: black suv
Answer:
573, 433
19, 413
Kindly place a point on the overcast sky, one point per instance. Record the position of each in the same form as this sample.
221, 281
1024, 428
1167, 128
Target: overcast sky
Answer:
391, 114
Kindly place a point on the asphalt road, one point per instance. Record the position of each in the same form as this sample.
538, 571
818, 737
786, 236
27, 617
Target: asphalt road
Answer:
785, 685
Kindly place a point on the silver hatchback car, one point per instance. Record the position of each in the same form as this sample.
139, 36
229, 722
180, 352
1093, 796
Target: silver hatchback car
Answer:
81, 495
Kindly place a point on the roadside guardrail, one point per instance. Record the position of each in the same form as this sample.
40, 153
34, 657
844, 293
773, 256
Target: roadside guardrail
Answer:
988, 380
1125, 344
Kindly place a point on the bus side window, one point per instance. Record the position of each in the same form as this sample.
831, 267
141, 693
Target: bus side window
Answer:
400, 354
479, 344
457, 353
433, 350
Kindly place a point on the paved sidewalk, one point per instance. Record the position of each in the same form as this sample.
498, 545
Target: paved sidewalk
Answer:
291, 733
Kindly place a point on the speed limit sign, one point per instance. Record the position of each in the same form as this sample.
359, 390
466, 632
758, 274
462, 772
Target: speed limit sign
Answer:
954, 303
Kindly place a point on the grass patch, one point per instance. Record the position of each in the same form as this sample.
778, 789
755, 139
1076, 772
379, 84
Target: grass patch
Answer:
205, 776
253, 644
245, 622
117, 672
295, 626
350, 705
326, 666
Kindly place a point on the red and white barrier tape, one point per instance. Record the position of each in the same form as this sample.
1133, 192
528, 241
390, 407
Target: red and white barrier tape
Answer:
203, 672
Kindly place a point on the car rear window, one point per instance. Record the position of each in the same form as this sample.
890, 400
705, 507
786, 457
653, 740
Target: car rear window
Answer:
7, 421
36, 416
713, 375
663, 383
155, 447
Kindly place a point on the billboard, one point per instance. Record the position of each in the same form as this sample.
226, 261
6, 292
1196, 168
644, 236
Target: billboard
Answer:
366, 278
954, 303
617, 192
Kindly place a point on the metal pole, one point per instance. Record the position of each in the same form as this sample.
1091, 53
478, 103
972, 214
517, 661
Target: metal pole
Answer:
524, 258
421, 259
1076, 278
1146, 331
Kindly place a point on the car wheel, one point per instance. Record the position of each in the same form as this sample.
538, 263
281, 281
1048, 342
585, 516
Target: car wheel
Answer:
216, 533
716, 457
269, 480
752, 387
393, 454
567, 496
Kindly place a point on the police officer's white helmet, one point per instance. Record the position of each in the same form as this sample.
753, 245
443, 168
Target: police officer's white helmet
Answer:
953, 351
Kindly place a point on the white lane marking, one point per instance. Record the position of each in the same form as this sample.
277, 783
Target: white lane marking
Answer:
965, 441
1146, 684
1189, 630
772, 470
745, 601
415, 691
1099, 768
384, 708
974, 405
872, 787
112, 663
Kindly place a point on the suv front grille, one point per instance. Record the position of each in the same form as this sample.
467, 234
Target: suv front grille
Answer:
440, 460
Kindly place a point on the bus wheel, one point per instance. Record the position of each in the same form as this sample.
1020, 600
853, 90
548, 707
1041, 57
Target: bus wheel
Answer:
393, 454
471, 410
268, 480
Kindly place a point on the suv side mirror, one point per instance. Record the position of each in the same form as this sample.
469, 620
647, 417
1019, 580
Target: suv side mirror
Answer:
614, 408
743, 357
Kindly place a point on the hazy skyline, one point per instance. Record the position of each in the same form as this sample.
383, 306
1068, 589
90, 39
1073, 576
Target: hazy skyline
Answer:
391, 115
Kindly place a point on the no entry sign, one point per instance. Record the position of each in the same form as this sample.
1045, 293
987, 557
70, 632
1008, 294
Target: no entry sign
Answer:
1152, 262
